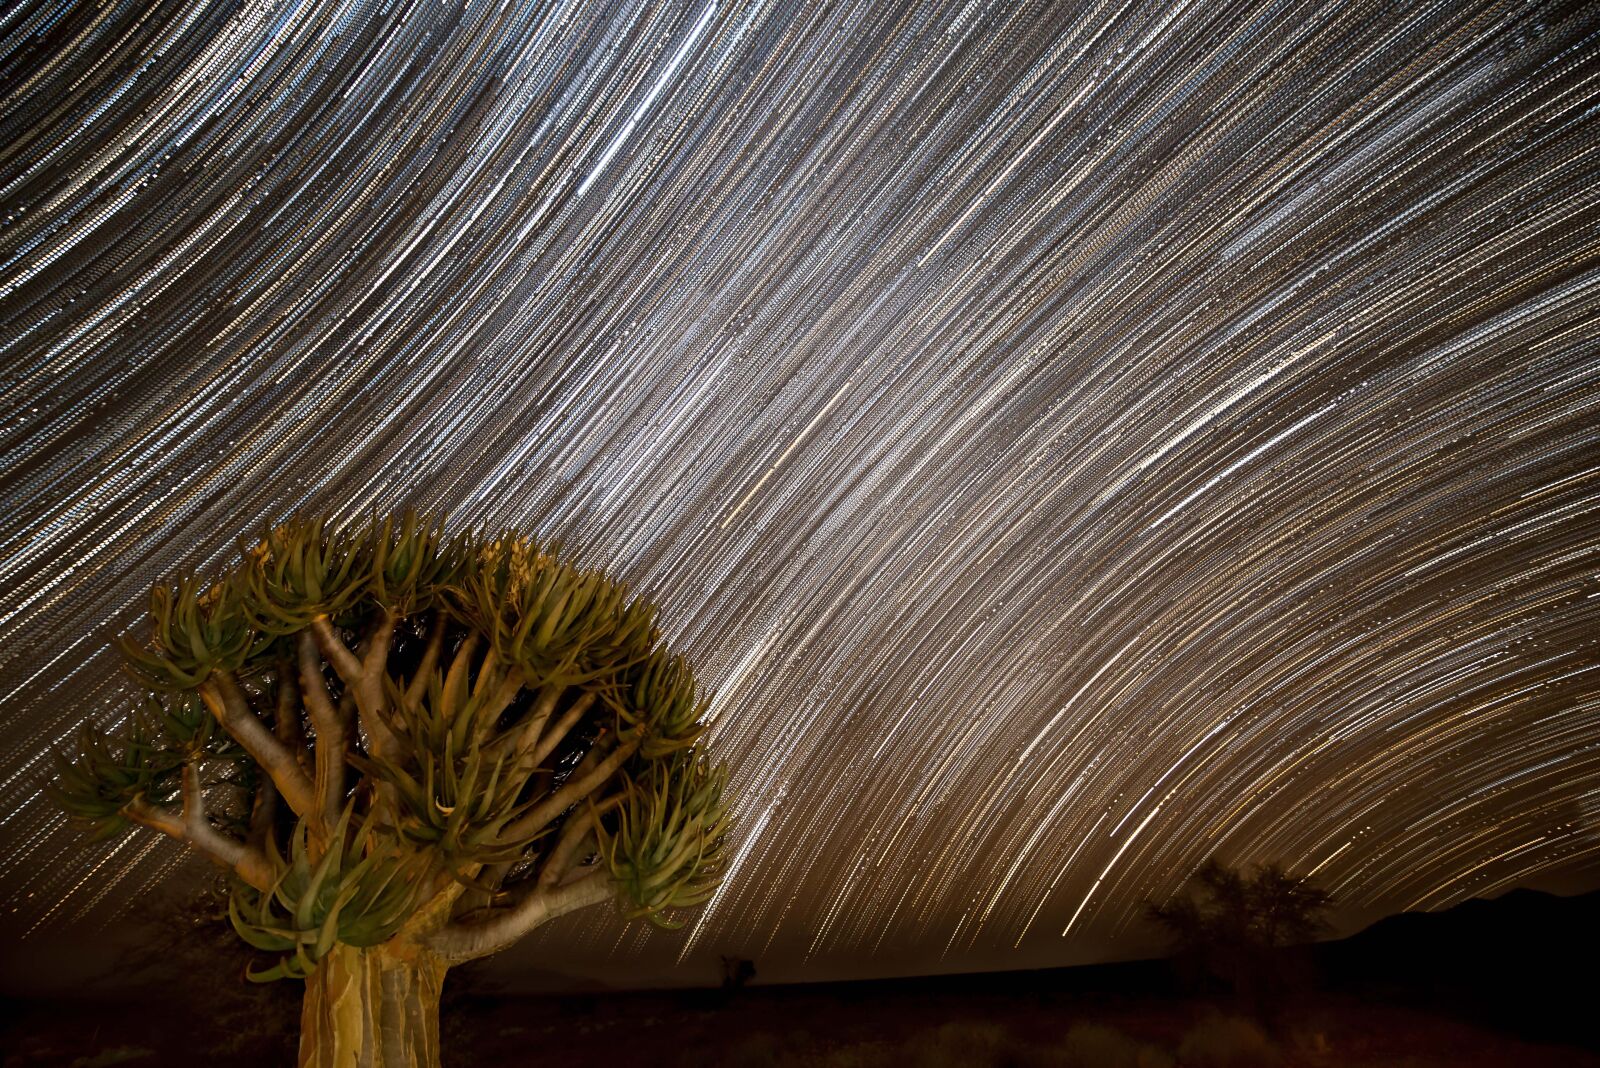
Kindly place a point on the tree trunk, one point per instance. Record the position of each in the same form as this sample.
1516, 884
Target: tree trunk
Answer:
372, 1008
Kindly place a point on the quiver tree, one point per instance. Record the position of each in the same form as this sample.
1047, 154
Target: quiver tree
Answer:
408, 751
1230, 928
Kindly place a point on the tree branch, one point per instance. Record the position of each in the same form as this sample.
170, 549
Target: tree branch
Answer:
547, 744
455, 680
379, 640
465, 941
430, 658
156, 818
263, 811
504, 694
332, 737
227, 702
212, 842
580, 786
577, 830
286, 717
486, 671
335, 652
537, 717
286, 728
193, 828
364, 676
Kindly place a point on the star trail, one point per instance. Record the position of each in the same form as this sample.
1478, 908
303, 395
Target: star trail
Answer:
1073, 440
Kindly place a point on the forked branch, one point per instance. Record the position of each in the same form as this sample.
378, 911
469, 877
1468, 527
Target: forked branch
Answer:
542, 745
575, 834
227, 703
430, 658
364, 676
192, 826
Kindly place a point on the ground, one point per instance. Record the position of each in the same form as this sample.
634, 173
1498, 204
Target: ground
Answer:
966, 1022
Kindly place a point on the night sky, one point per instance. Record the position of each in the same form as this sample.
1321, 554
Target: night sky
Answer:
1073, 440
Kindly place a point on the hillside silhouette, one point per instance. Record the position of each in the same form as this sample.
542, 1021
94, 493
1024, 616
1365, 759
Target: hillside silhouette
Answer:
1523, 962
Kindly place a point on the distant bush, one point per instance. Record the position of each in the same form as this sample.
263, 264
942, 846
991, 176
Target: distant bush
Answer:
860, 1055
737, 972
963, 1044
1094, 1046
756, 1051
1227, 1042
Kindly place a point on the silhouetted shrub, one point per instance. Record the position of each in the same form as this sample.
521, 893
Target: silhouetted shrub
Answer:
1227, 1042
736, 972
1094, 1046
964, 1044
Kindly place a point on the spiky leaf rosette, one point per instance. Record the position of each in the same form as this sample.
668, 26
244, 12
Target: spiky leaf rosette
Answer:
413, 727
301, 569
196, 629
410, 562
359, 892
142, 764
461, 789
552, 621
664, 846
665, 706
106, 775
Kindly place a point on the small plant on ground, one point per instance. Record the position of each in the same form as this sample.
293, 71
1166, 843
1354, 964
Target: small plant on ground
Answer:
736, 972
1227, 1042
1095, 1046
963, 1044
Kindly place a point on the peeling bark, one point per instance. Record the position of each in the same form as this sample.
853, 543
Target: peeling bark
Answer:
372, 1008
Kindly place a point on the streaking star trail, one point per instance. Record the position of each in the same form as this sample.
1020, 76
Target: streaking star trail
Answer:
1075, 440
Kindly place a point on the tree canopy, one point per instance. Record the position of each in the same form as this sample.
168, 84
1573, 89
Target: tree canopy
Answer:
1229, 924
384, 732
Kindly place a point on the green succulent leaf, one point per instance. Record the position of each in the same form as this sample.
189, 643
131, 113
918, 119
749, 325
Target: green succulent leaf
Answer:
411, 561
194, 630
359, 892
106, 772
303, 568
553, 621
664, 846
665, 705
456, 790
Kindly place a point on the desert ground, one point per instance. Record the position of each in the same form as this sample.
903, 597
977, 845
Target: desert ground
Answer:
969, 1022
